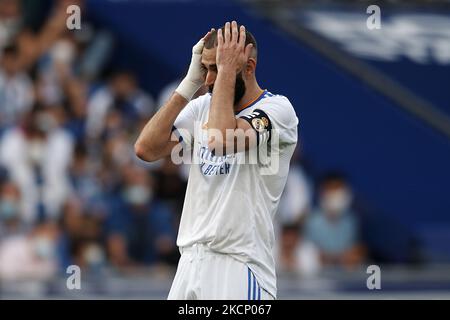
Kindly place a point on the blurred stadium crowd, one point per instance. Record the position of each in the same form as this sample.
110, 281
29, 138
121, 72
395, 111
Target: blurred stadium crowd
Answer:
73, 192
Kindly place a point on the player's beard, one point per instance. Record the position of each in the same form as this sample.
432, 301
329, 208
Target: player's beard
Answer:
239, 88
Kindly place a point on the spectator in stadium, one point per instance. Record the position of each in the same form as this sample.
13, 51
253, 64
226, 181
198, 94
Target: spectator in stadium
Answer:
35, 40
297, 255
11, 19
121, 95
170, 185
16, 88
140, 228
71, 226
81, 238
37, 155
84, 177
10, 216
88, 251
54, 69
30, 255
333, 227
90, 256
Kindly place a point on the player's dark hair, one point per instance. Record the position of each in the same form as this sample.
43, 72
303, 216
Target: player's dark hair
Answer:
249, 38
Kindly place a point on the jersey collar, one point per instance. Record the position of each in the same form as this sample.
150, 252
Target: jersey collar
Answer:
252, 102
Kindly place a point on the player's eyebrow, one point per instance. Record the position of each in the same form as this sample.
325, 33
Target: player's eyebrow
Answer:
211, 66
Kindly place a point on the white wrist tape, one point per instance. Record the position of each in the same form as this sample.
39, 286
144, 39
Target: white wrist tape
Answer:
194, 78
187, 88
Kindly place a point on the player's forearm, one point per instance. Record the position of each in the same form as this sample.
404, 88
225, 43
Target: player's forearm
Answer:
221, 114
156, 134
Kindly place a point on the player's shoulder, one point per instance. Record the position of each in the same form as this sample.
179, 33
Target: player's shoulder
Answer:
279, 100
277, 103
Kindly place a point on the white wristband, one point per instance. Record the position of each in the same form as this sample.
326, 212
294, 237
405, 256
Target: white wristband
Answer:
187, 89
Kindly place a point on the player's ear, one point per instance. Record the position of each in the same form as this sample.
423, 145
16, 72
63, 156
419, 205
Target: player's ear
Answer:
251, 66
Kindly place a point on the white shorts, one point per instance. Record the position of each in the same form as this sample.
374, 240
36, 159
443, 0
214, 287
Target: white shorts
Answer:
206, 275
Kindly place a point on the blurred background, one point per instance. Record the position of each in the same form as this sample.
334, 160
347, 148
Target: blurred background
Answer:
369, 183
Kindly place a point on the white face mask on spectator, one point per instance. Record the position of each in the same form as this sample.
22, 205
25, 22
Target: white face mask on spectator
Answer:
336, 202
36, 150
45, 122
94, 255
8, 209
43, 247
138, 195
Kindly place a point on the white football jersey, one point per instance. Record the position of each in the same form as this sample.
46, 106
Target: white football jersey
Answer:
230, 205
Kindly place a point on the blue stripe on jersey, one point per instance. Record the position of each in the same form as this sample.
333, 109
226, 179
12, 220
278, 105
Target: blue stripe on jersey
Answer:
249, 284
259, 293
254, 287
177, 133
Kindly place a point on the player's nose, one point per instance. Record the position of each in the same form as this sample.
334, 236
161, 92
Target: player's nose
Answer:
210, 78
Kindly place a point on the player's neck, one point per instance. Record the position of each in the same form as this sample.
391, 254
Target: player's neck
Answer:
252, 93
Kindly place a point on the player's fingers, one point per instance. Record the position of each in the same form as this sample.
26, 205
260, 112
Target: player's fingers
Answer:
208, 34
219, 38
234, 32
227, 32
248, 51
242, 37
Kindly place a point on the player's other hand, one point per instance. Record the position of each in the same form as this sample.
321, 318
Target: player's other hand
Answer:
232, 53
194, 78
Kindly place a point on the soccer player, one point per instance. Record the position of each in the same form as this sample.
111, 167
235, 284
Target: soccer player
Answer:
226, 232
